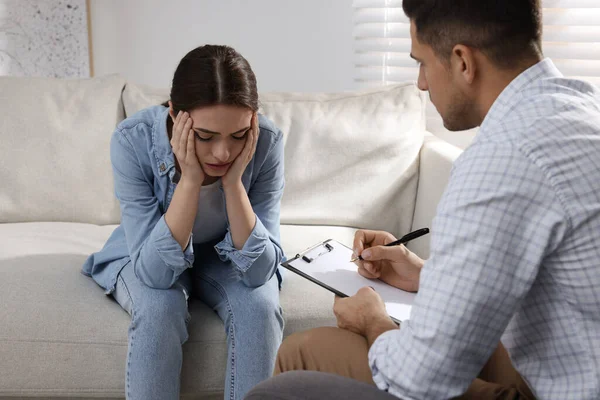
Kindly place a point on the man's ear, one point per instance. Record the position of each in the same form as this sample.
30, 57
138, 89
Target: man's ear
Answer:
171, 111
463, 64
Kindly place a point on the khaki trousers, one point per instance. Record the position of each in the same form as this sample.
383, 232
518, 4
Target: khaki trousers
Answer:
344, 353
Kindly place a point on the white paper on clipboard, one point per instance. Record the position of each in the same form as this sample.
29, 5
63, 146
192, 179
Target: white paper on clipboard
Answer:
331, 268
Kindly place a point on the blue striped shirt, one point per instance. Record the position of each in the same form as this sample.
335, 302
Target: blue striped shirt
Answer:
515, 253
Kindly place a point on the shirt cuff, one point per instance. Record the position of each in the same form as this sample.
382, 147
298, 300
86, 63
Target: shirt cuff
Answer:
253, 248
378, 356
169, 249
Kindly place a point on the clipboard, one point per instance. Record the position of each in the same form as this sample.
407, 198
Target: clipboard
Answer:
328, 265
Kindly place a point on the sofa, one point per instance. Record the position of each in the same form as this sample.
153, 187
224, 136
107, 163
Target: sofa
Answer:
353, 160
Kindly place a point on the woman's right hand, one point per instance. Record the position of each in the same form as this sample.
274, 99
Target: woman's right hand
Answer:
394, 265
184, 148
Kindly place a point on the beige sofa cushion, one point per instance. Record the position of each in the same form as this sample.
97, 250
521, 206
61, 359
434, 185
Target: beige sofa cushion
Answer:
137, 97
54, 157
351, 158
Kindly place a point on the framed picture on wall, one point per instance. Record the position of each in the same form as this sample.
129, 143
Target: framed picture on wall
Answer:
50, 38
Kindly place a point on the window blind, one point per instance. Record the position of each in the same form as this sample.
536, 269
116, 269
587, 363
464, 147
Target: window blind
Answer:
382, 40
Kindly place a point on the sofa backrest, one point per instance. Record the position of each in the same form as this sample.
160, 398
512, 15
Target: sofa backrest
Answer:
351, 159
54, 158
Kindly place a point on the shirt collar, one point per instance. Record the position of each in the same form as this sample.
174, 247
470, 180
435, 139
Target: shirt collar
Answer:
512, 93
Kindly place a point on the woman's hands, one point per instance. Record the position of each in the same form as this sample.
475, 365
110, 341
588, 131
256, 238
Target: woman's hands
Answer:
184, 148
181, 213
234, 174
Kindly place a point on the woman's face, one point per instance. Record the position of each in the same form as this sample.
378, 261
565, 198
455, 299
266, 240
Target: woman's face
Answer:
220, 134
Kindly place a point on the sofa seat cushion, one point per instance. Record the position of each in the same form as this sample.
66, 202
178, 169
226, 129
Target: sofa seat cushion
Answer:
61, 336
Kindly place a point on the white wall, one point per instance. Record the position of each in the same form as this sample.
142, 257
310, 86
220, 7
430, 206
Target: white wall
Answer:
292, 45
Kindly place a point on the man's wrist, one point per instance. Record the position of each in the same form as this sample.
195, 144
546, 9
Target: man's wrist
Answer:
379, 327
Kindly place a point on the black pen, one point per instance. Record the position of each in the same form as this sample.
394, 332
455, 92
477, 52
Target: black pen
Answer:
404, 239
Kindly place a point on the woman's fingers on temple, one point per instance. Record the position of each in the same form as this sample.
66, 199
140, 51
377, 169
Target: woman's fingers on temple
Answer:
184, 133
254, 142
178, 121
249, 146
191, 151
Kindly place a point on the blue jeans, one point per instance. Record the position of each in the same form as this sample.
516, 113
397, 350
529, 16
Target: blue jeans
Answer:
252, 317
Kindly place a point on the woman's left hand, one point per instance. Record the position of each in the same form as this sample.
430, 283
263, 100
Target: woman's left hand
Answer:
234, 174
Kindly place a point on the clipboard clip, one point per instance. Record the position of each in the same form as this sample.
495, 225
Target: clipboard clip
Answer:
310, 255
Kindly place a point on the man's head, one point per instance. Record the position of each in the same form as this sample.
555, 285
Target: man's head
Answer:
468, 50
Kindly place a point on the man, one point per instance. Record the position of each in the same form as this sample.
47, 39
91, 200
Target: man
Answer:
515, 252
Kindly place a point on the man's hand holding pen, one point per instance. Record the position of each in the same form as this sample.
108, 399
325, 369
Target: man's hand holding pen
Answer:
395, 265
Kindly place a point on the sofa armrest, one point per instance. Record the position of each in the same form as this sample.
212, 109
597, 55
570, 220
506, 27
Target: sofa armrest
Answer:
436, 159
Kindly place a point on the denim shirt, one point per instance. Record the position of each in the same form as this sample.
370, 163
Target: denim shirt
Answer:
144, 172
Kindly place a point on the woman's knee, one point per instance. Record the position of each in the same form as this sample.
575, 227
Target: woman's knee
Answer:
139, 299
164, 304
260, 305
163, 309
254, 278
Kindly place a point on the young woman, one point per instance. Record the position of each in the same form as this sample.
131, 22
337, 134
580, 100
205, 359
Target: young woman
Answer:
199, 180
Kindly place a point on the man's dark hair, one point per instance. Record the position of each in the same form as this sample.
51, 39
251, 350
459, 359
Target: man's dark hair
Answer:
212, 75
506, 31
